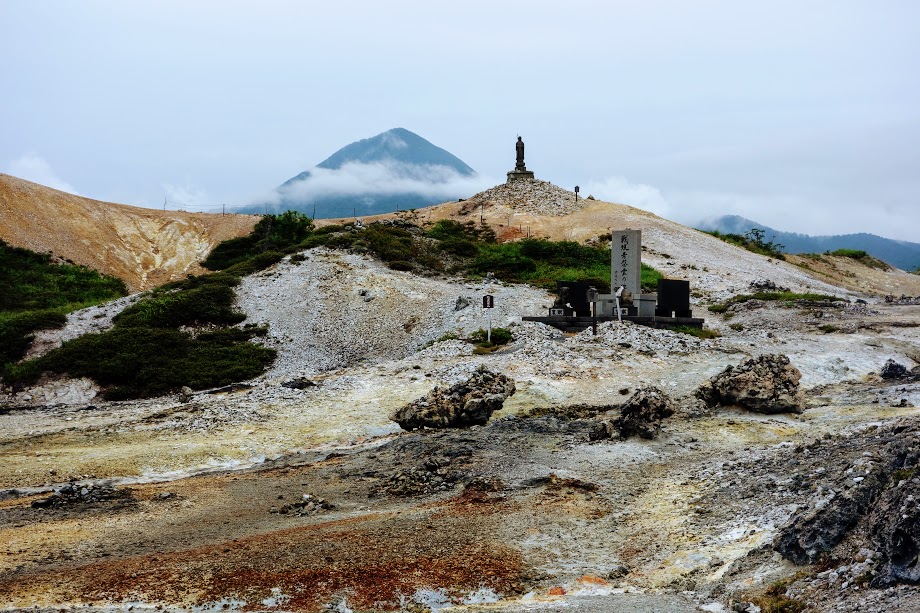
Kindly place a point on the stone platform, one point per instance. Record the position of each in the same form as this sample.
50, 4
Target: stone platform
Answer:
577, 324
517, 175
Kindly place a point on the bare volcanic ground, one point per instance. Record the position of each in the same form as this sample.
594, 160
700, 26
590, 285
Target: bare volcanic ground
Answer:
277, 497
143, 247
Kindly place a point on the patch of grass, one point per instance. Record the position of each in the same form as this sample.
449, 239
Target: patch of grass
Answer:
788, 298
703, 333
737, 327
499, 336
860, 256
37, 294
828, 328
753, 241
774, 599
904, 474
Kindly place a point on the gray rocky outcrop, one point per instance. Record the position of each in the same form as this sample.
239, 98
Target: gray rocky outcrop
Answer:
893, 370
641, 415
873, 497
465, 404
764, 384
894, 525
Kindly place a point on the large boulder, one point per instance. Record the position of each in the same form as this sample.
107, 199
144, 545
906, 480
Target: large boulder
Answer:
765, 384
893, 370
470, 403
641, 415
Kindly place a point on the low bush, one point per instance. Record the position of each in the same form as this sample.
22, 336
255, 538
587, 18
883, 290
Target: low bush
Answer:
788, 298
38, 293
703, 333
753, 241
860, 256
141, 361
274, 233
499, 336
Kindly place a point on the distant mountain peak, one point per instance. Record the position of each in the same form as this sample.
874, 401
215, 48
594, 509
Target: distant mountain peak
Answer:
393, 170
396, 145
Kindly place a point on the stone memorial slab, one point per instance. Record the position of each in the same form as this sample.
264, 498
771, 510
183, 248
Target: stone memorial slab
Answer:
626, 260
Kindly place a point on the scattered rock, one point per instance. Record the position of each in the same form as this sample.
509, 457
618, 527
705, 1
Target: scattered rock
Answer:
298, 383
766, 285
893, 370
308, 505
641, 415
72, 493
764, 384
462, 405
462, 302
186, 394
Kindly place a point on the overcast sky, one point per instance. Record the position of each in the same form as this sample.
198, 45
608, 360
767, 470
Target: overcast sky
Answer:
800, 115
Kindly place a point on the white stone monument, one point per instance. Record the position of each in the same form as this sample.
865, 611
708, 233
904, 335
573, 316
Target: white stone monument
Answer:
626, 261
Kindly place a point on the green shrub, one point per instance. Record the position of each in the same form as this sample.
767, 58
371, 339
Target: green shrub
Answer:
210, 303
499, 336
860, 256
16, 331
649, 279
37, 294
753, 241
139, 362
703, 333
788, 298
272, 234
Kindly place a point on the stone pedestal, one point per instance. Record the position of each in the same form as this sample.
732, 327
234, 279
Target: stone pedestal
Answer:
518, 175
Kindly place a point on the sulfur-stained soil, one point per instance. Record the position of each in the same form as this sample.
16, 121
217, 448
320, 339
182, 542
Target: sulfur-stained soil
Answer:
272, 497
142, 247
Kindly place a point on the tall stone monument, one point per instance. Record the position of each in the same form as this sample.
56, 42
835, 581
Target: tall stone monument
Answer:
626, 260
520, 170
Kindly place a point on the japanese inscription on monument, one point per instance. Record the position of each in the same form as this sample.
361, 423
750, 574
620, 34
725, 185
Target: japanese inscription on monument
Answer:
626, 260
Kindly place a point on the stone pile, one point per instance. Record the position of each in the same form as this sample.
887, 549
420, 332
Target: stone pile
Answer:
465, 404
646, 340
73, 493
308, 505
764, 384
531, 196
432, 475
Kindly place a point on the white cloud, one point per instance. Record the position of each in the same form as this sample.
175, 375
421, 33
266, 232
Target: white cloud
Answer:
621, 191
33, 167
186, 198
437, 182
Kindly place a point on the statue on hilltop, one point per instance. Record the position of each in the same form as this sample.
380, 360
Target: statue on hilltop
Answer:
520, 171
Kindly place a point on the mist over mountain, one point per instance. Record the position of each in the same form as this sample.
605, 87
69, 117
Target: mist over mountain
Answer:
394, 170
903, 254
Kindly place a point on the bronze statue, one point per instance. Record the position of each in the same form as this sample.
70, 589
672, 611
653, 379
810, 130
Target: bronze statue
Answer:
519, 165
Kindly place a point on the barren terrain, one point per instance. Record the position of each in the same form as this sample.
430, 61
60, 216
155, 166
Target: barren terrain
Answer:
142, 247
266, 497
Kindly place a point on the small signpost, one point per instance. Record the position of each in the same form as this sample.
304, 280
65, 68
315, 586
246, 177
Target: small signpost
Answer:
576, 194
488, 303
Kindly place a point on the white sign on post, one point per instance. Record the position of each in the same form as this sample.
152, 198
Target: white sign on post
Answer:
626, 260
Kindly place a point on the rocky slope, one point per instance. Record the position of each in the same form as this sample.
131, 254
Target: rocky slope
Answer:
143, 247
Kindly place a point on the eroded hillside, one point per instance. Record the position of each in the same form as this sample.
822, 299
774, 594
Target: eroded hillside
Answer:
143, 247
